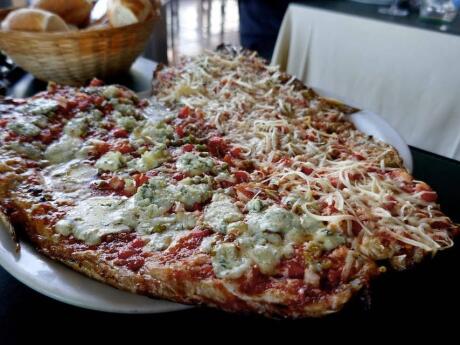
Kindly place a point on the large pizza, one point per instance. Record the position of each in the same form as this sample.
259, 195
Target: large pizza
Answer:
235, 187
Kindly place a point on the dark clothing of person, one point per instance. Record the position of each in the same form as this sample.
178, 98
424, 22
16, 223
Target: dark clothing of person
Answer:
260, 21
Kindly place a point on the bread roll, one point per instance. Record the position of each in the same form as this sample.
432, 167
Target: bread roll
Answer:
75, 12
99, 11
126, 12
30, 19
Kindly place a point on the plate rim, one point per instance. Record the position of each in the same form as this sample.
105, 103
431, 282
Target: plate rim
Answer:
398, 142
39, 284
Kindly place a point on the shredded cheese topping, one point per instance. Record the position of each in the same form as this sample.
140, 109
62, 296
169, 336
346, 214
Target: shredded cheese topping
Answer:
303, 146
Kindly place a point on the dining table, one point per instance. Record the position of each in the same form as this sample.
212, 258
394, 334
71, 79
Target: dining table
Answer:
403, 68
428, 292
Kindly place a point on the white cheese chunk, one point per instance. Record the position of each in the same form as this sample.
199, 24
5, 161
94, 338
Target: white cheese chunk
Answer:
111, 91
207, 244
192, 194
156, 192
227, 262
255, 205
154, 131
266, 257
88, 147
24, 128
70, 177
221, 212
127, 123
160, 241
271, 235
175, 222
39, 120
161, 193
111, 161
96, 217
193, 164
40, 106
274, 219
27, 149
328, 239
126, 109
93, 218
152, 159
63, 150
76, 127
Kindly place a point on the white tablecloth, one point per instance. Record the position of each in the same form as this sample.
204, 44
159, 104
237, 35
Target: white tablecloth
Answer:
409, 76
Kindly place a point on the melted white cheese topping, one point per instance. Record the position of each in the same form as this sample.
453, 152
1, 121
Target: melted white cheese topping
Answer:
111, 161
152, 159
63, 150
96, 217
23, 127
73, 176
93, 218
274, 219
221, 212
193, 164
227, 261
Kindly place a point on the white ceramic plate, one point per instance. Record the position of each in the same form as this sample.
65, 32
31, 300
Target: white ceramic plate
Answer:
373, 124
63, 284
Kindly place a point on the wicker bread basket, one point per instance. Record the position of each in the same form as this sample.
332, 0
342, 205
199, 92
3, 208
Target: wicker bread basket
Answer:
75, 57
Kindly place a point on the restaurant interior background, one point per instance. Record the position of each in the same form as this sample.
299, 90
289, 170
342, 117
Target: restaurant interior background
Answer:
400, 65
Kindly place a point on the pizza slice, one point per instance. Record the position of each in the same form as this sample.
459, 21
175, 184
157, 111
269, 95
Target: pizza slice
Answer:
250, 193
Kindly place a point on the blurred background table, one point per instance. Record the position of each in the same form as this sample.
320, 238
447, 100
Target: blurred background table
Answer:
401, 69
